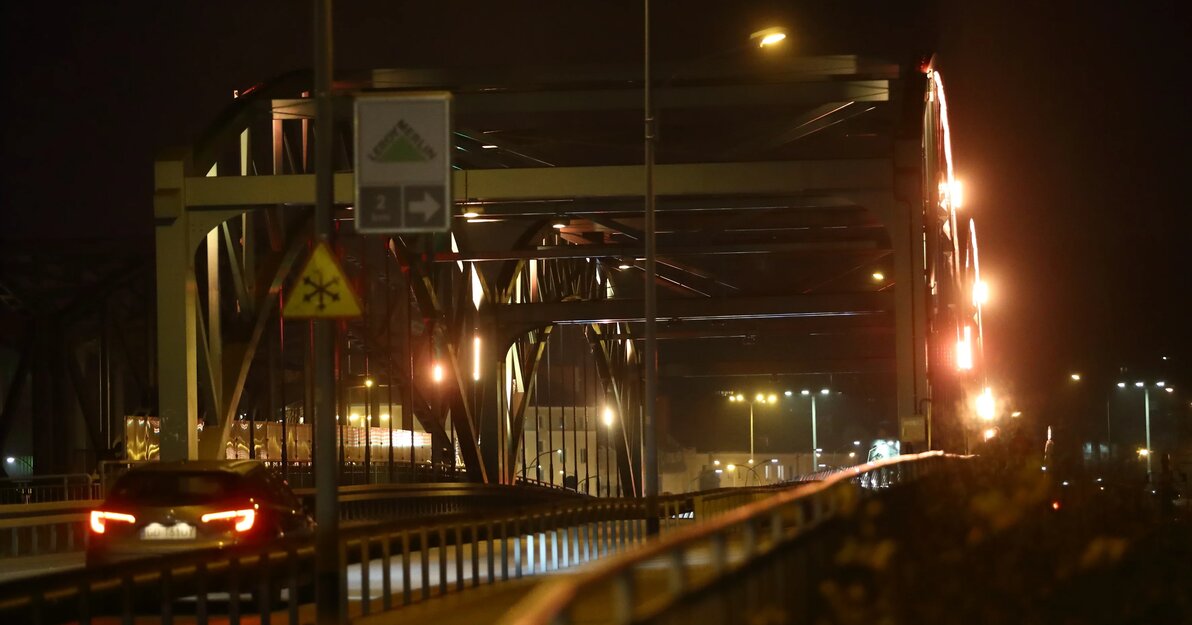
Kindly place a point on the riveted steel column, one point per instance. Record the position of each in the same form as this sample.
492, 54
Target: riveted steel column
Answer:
177, 382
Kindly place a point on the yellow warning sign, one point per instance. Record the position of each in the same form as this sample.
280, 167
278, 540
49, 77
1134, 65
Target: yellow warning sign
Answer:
322, 290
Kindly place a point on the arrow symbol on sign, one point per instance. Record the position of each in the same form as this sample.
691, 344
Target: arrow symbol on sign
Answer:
426, 206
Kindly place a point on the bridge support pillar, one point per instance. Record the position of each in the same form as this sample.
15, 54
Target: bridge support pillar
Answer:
177, 380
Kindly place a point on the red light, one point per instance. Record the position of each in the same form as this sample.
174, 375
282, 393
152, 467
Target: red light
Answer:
99, 520
1055, 505
244, 518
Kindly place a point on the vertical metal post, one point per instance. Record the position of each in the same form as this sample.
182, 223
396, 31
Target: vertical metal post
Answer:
1146, 403
330, 606
814, 440
650, 355
751, 431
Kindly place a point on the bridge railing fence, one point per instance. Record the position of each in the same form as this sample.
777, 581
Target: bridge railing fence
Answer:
764, 557
416, 559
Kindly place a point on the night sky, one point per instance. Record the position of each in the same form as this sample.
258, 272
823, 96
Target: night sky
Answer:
1069, 120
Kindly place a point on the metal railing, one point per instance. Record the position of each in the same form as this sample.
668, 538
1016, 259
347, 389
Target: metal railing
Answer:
416, 560
60, 527
762, 556
45, 488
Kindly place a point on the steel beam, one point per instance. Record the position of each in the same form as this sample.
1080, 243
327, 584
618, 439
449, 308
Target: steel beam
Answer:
711, 368
762, 178
630, 310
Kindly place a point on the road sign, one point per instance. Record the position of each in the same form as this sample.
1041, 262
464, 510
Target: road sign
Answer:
322, 290
403, 163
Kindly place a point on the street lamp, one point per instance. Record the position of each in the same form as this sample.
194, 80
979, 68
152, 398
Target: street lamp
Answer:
1146, 405
814, 435
535, 464
760, 398
763, 38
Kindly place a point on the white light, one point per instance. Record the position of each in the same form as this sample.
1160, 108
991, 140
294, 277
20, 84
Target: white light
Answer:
788, 393
819, 450
608, 416
10, 460
476, 358
857, 443
751, 461
990, 433
805, 392
716, 463
1016, 414
824, 391
740, 397
772, 398
353, 417
1075, 377
718, 471
822, 465
1169, 389
878, 276
773, 460
624, 266
384, 416
852, 454
760, 398
1139, 384
471, 214
489, 146
1144, 452
1064, 483
1160, 384
437, 373
1121, 385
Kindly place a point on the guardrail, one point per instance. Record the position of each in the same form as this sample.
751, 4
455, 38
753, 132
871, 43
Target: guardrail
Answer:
44, 488
447, 555
59, 527
763, 556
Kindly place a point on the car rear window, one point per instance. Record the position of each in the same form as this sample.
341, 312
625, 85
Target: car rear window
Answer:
174, 489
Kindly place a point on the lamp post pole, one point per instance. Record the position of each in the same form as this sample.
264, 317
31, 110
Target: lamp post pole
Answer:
814, 440
1146, 404
750, 431
330, 607
650, 353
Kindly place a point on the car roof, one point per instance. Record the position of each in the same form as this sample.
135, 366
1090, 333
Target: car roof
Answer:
238, 467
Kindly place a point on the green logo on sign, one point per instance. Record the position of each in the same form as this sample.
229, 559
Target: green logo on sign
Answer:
402, 144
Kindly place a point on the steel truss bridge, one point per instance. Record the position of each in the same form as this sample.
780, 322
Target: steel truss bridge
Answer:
781, 189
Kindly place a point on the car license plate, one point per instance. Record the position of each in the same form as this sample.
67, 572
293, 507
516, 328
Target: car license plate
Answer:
177, 531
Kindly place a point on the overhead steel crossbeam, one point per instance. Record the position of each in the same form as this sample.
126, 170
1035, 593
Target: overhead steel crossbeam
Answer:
842, 177
630, 310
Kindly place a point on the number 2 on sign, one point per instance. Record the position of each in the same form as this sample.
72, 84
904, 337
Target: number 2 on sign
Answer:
380, 201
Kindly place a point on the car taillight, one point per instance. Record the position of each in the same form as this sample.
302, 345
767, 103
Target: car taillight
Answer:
99, 519
243, 518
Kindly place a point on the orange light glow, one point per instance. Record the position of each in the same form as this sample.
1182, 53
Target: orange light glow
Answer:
1055, 505
244, 518
980, 293
436, 373
964, 350
986, 407
100, 518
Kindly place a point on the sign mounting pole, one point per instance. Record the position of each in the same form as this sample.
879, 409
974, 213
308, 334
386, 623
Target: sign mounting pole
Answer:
331, 608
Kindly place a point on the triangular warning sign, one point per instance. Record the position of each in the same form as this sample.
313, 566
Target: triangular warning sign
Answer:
322, 290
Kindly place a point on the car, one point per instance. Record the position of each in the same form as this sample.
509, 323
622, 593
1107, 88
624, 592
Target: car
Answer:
167, 507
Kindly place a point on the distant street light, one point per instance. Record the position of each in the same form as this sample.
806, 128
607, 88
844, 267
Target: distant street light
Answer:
1146, 407
768, 37
760, 398
878, 276
1075, 377
814, 435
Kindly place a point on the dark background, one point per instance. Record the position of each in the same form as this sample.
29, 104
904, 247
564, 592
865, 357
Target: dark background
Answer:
1069, 124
